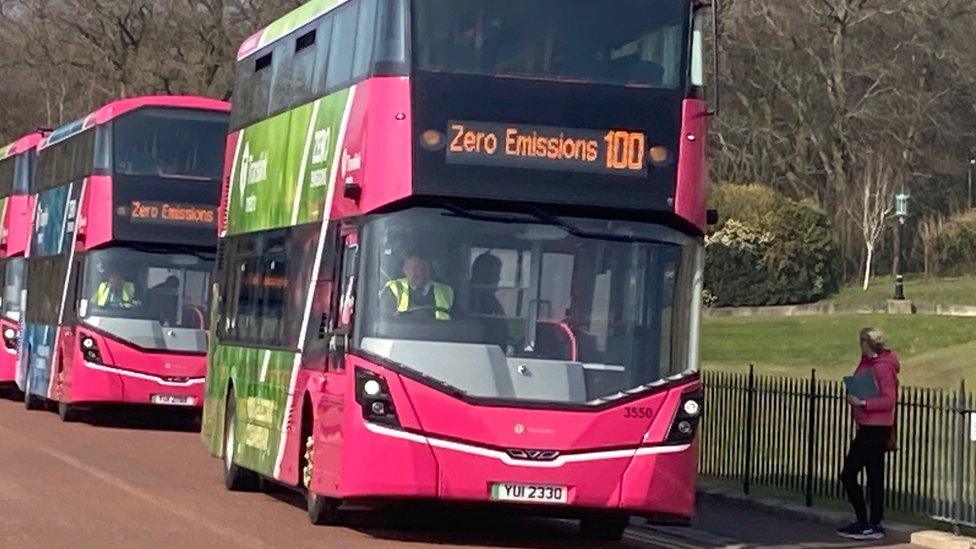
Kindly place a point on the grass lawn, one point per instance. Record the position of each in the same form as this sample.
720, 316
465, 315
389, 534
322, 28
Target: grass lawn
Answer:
934, 351
944, 291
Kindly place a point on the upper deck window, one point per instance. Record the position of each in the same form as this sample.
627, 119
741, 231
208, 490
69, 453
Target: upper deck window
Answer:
7, 170
66, 162
15, 174
358, 39
171, 143
626, 42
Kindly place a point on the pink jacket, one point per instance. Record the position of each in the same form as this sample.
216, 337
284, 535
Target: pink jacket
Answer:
880, 410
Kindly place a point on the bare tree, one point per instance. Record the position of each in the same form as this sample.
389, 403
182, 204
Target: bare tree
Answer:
929, 231
872, 205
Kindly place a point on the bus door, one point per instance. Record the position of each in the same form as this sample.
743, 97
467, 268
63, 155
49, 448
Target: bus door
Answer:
328, 453
67, 339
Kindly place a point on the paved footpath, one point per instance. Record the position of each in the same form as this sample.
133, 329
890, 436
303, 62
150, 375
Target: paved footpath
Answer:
135, 480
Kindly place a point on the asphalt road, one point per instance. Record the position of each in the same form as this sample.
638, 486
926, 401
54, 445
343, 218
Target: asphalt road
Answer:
135, 479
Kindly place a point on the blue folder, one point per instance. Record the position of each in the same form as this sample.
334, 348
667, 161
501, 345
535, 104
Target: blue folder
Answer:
863, 386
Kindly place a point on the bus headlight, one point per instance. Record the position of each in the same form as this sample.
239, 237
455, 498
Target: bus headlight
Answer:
686, 420
89, 349
373, 395
372, 388
11, 338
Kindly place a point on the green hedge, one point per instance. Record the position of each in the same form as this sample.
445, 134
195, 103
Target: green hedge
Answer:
769, 250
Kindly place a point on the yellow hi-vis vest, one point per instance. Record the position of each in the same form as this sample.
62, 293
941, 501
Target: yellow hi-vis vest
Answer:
128, 294
443, 297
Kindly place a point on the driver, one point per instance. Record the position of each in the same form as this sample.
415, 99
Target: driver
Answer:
115, 291
417, 291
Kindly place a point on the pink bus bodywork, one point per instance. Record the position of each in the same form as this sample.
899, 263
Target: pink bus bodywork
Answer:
449, 449
90, 364
13, 244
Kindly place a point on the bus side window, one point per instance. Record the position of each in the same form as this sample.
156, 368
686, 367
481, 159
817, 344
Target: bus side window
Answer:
345, 306
340, 64
324, 44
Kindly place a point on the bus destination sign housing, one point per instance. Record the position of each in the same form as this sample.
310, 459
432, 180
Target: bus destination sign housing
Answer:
606, 152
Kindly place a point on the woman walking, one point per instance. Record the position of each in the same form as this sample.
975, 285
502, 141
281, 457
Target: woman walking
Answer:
875, 418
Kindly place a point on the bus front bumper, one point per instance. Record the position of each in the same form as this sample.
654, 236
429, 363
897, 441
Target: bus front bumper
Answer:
8, 365
385, 463
97, 383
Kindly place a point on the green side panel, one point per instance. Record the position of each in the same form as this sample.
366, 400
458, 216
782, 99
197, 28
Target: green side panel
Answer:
283, 167
5, 151
296, 18
3, 206
261, 380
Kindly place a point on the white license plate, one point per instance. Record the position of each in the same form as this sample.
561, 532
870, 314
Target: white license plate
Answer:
529, 493
170, 400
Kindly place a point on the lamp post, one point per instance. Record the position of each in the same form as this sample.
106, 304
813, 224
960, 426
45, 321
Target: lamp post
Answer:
901, 212
972, 166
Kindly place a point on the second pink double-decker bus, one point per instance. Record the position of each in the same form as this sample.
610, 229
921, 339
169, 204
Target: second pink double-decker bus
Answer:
17, 162
461, 258
120, 256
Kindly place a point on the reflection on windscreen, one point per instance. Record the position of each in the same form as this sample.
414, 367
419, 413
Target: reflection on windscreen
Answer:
477, 303
170, 143
172, 290
13, 270
641, 42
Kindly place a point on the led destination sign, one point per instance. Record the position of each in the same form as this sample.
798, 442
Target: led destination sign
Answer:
547, 148
169, 213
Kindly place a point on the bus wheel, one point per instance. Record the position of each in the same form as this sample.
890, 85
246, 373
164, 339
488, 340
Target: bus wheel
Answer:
67, 412
236, 478
321, 510
604, 527
31, 402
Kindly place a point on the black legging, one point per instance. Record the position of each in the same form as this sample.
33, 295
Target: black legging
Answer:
867, 452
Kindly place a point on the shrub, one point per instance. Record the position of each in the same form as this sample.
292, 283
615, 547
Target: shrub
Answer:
769, 250
954, 246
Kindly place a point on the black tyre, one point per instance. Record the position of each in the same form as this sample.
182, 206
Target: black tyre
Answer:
67, 412
236, 478
604, 527
322, 511
31, 402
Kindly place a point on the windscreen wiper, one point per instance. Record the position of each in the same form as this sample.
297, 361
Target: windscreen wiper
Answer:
544, 218
497, 217
550, 219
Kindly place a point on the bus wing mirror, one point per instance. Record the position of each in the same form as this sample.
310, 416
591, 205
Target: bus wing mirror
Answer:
712, 217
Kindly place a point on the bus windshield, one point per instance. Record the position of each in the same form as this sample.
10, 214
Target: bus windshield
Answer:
13, 271
625, 42
15, 175
173, 143
135, 294
538, 310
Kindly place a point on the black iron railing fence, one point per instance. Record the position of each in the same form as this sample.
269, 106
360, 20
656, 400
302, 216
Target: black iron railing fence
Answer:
792, 434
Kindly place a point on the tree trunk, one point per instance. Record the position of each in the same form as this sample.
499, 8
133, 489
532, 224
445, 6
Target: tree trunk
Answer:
867, 267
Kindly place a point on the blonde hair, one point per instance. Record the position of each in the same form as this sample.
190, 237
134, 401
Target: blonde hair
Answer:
875, 339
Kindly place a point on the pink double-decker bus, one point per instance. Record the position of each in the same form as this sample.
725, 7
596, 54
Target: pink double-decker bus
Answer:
460, 258
17, 162
120, 257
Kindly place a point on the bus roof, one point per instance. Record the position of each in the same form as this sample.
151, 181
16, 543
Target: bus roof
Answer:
22, 145
115, 109
293, 20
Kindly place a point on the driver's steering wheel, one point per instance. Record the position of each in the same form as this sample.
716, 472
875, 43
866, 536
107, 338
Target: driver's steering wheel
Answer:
420, 308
